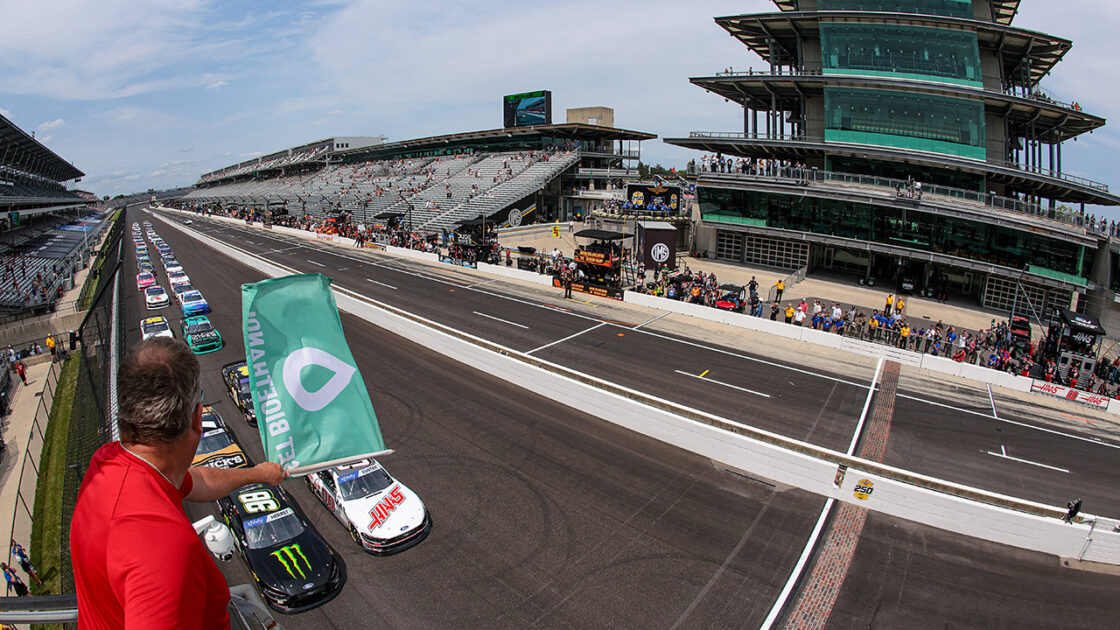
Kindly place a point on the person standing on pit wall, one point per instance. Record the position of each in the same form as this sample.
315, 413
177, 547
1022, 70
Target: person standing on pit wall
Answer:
887, 310
566, 279
780, 285
136, 557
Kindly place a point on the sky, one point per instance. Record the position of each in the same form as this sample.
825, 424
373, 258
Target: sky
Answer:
144, 94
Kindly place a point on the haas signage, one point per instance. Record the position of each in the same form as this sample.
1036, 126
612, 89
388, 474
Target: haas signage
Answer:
1076, 395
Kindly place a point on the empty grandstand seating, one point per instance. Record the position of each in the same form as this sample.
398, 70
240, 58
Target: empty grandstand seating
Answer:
437, 192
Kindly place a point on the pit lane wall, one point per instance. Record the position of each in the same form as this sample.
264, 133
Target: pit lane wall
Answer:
953, 507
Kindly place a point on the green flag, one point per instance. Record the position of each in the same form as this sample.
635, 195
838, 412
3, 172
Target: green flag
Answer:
312, 407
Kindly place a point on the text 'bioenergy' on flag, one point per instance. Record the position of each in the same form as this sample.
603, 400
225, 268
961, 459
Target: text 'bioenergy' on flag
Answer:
313, 410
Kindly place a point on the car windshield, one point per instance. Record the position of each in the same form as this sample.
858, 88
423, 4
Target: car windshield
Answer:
244, 387
213, 441
199, 327
363, 483
278, 527
192, 297
183, 288
145, 276
155, 291
154, 327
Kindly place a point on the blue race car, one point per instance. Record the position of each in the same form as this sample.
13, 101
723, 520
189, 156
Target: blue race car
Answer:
193, 303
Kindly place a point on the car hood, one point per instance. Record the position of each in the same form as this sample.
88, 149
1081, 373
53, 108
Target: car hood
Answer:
228, 457
386, 514
297, 566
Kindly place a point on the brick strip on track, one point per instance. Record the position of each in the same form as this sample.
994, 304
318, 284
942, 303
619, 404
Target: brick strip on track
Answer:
818, 595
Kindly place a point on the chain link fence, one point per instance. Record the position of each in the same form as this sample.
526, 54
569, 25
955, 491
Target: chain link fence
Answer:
90, 417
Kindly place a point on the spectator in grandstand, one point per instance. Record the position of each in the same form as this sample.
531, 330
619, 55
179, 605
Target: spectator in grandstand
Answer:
135, 554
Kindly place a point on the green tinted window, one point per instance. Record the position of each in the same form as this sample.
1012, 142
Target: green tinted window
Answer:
913, 229
951, 8
921, 122
905, 51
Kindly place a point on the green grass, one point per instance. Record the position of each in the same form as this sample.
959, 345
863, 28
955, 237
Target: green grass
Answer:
46, 530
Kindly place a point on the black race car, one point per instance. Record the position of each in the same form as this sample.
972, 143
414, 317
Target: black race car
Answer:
294, 568
236, 377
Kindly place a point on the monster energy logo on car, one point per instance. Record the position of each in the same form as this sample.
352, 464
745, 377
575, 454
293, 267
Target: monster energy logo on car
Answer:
288, 557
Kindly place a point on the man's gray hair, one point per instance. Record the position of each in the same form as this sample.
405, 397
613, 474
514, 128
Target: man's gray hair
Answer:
158, 387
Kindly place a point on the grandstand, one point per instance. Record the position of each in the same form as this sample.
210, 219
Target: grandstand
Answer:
434, 182
46, 228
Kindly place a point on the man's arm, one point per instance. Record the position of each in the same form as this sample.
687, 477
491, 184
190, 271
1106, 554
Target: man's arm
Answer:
211, 484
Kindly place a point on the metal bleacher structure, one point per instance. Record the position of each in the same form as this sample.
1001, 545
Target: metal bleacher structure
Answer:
433, 193
45, 227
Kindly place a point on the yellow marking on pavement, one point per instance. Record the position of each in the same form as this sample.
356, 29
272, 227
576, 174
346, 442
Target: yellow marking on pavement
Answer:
702, 374
621, 334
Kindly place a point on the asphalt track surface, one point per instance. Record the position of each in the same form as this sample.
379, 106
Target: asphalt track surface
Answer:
546, 517
948, 435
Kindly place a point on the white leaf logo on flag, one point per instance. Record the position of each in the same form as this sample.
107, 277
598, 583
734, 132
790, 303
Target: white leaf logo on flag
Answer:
316, 400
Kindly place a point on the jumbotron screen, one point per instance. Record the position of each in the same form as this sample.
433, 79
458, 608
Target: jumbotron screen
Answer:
530, 108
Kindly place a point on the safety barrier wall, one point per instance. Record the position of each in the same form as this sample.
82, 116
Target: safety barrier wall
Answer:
941, 504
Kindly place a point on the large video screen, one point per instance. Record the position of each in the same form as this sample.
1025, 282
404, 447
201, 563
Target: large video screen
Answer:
530, 108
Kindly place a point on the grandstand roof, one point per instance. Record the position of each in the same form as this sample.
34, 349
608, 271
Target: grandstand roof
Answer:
27, 154
573, 131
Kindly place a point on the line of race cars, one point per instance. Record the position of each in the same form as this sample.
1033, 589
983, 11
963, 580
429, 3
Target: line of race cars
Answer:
196, 329
293, 566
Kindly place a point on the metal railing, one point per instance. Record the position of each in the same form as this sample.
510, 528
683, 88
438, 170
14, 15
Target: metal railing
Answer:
23, 518
905, 188
739, 135
1036, 93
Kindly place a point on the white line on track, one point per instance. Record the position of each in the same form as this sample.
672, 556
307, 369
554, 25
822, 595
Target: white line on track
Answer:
866, 407
1003, 455
992, 399
798, 568
381, 283
549, 345
1025, 425
650, 321
478, 284
499, 319
712, 380
811, 544
315, 263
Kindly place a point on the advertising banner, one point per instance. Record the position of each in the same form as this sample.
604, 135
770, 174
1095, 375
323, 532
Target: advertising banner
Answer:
1076, 395
312, 405
591, 289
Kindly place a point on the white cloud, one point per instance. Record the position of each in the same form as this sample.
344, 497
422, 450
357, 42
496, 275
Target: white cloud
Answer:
44, 138
5, 113
216, 84
249, 155
51, 124
157, 173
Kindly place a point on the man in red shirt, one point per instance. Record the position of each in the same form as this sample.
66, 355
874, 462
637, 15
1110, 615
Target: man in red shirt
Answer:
138, 562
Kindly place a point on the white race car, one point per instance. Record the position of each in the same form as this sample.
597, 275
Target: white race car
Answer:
156, 297
155, 327
381, 513
178, 277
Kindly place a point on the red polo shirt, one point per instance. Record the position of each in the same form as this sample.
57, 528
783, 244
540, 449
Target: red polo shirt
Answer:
138, 562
